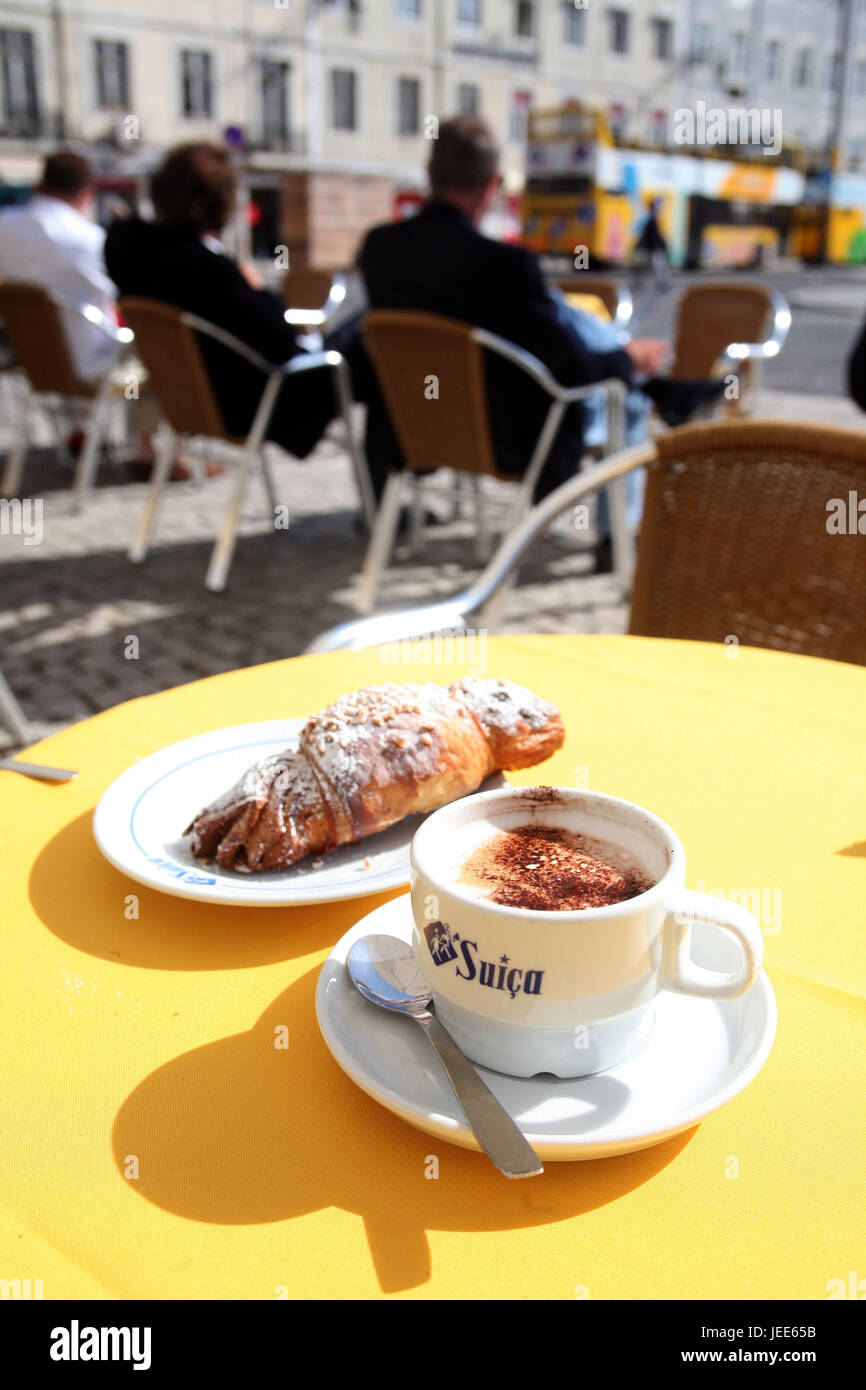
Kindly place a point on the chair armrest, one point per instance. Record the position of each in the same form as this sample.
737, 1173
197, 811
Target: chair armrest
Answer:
455, 612
537, 370
309, 362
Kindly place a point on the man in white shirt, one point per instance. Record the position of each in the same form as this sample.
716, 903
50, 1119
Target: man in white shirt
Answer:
52, 243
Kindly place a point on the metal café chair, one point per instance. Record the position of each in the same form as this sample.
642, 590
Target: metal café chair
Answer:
12, 715
728, 326
313, 297
416, 353
615, 296
167, 341
33, 321
734, 544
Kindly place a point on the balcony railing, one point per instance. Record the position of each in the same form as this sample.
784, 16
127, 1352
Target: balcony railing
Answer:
508, 47
279, 141
31, 125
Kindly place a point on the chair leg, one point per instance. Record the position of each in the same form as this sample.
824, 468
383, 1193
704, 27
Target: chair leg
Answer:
166, 445
491, 614
224, 545
382, 540
268, 479
482, 534
620, 536
94, 432
416, 518
12, 714
11, 483
366, 495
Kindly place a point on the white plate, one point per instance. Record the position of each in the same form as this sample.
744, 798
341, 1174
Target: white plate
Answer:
139, 823
700, 1054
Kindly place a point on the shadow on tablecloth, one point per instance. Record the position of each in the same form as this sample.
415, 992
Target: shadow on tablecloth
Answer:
82, 899
240, 1133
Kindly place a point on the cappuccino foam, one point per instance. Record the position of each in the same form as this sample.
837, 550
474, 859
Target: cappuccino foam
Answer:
546, 868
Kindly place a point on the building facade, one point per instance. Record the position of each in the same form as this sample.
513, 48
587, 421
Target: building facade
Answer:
331, 104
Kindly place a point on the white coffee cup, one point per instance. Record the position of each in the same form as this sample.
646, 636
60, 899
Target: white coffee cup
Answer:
525, 991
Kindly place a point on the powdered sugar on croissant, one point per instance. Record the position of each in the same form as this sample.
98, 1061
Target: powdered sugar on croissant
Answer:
368, 760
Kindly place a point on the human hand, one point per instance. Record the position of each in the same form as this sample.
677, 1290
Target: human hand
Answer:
648, 355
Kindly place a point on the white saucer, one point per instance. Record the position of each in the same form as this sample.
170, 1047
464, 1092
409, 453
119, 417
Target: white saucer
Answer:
139, 823
701, 1053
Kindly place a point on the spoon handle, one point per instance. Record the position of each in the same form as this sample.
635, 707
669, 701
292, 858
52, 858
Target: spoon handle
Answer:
496, 1132
45, 774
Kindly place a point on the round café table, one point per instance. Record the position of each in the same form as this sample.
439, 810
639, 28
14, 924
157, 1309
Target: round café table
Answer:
156, 1144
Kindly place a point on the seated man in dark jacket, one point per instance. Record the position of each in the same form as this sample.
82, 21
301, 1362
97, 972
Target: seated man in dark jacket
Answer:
179, 260
439, 262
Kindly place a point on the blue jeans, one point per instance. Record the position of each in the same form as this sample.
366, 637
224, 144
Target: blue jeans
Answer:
599, 336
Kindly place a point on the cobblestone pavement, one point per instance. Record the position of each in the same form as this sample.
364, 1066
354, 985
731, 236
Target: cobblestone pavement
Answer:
69, 604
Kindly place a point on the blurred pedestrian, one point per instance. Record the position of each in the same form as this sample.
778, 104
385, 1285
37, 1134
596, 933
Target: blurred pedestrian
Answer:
651, 247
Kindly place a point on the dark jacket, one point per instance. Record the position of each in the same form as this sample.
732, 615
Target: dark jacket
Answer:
437, 262
174, 266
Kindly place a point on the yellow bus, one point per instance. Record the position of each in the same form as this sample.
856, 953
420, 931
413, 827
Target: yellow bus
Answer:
585, 190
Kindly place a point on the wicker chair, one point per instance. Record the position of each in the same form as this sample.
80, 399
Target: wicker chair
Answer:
33, 321
167, 340
313, 297
726, 326
734, 543
416, 355
615, 297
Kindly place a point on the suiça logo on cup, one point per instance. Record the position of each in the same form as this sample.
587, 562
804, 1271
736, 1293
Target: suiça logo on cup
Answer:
444, 946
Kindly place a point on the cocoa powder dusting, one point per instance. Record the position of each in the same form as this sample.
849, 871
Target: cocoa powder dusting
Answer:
546, 869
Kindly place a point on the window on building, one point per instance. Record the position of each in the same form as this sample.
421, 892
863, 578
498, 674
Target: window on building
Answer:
834, 71
662, 38
408, 106
469, 12
196, 83
408, 9
468, 99
737, 58
619, 22
518, 116
803, 66
18, 100
702, 43
275, 102
574, 29
112, 75
524, 19
344, 98
773, 64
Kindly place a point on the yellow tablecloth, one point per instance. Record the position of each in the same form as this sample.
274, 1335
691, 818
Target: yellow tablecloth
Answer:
265, 1173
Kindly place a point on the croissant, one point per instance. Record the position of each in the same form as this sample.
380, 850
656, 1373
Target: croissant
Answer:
368, 760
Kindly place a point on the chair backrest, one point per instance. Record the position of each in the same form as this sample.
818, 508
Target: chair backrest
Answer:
35, 330
307, 287
712, 315
737, 539
177, 374
431, 371
616, 298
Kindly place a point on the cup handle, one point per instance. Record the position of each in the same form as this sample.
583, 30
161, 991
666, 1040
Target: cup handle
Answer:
682, 975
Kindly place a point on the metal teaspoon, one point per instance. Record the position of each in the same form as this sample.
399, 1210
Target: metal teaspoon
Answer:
45, 774
384, 970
